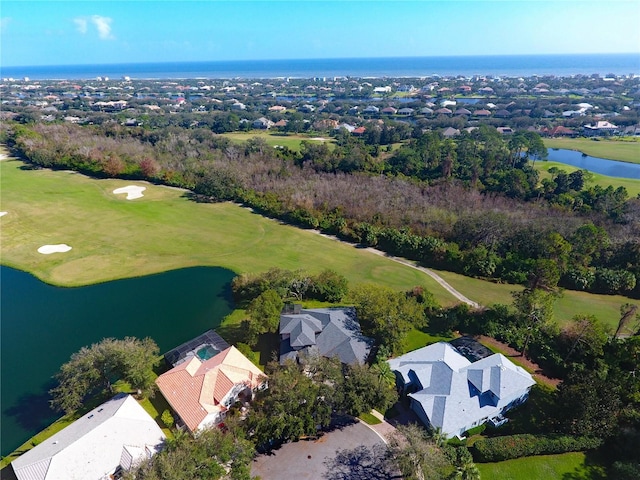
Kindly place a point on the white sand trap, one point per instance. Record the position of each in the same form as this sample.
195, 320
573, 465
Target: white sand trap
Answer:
48, 249
132, 191
2, 214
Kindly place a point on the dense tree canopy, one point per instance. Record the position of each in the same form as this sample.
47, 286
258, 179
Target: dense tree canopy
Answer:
93, 369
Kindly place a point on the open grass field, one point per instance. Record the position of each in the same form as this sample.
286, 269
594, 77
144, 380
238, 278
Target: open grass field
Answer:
632, 186
627, 150
114, 238
543, 467
292, 141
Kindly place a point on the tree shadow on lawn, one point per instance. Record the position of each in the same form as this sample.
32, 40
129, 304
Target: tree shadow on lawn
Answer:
592, 469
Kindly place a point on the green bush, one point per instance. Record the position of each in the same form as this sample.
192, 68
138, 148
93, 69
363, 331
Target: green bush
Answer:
497, 449
167, 418
476, 430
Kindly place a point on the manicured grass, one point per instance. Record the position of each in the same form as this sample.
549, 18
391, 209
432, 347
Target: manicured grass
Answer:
285, 140
369, 418
605, 307
543, 467
632, 186
116, 238
624, 150
417, 339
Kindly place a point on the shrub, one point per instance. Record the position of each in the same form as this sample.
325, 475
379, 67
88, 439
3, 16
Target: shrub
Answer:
167, 418
497, 449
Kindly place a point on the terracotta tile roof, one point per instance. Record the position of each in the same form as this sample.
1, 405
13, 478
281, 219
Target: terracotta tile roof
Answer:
195, 389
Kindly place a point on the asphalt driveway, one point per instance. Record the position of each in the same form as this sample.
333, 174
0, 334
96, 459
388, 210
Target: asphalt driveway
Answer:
312, 459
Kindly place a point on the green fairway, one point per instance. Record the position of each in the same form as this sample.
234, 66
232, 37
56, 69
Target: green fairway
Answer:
292, 141
605, 307
543, 467
632, 186
627, 150
116, 238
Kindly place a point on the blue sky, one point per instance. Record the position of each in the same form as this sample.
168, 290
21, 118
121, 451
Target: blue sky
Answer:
93, 32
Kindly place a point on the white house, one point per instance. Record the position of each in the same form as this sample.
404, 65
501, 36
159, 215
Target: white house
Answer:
450, 393
116, 435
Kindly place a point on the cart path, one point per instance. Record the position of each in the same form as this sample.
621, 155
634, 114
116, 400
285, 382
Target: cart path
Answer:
441, 281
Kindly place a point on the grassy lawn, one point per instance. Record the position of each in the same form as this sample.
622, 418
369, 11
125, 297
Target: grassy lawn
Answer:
632, 186
418, 339
286, 140
369, 419
624, 150
543, 467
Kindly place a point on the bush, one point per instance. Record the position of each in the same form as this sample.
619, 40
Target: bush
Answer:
497, 449
167, 418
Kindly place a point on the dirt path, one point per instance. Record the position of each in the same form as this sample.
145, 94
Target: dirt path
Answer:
514, 355
441, 281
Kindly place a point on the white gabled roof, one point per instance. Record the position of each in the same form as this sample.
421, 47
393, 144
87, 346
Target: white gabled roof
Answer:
93, 446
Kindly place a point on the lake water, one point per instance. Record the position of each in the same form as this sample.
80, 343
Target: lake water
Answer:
603, 166
43, 325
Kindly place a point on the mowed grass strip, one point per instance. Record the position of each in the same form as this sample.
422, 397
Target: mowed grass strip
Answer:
292, 141
605, 307
542, 467
632, 186
113, 238
623, 150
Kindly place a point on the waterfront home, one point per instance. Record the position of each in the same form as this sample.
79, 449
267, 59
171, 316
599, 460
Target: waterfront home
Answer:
112, 437
201, 392
453, 394
330, 332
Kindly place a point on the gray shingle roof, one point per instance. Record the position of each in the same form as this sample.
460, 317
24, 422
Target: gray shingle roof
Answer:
328, 331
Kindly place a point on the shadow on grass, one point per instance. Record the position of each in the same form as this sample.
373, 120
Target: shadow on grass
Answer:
591, 469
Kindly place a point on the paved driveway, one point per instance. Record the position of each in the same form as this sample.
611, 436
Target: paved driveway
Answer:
306, 459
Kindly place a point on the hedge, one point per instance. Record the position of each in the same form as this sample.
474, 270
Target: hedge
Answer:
497, 449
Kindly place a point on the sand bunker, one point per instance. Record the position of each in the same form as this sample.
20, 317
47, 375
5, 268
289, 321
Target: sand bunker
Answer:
132, 191
2, 214
60, 248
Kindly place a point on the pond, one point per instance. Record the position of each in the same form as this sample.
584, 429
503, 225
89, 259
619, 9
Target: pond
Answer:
603, 166
43, 325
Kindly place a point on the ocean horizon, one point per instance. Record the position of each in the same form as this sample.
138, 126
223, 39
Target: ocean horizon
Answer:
410, 67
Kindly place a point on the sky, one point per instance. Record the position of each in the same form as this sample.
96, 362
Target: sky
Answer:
57, 32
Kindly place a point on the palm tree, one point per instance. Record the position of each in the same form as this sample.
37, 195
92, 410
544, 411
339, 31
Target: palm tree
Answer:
384, 373
468, 471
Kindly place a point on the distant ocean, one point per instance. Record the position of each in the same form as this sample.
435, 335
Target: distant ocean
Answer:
504, 65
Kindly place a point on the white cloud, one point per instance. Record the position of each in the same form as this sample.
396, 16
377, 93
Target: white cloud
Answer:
81, 24
102, 25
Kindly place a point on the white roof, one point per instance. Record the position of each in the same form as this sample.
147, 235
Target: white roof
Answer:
118, 431
446, 379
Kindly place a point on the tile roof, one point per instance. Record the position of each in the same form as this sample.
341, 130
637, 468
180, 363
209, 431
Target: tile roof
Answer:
195, 389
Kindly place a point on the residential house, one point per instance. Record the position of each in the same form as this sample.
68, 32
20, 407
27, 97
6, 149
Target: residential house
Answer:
450, 132
443, 111
200, 392
113, 436
453, 394
482, 113
389, 111
462, 111
263, 123
330, 332
600, 128
406, 111
371, 109
359, 131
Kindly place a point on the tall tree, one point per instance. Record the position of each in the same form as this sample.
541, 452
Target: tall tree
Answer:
93, 370
534, 307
